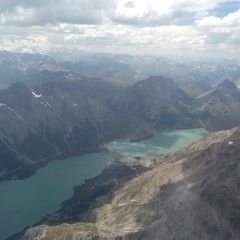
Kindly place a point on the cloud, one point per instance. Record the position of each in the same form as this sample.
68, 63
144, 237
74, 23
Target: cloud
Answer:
157, 13
129, 4
221, 30
135, 12
231, 20
42, 12
7, 5
178, 27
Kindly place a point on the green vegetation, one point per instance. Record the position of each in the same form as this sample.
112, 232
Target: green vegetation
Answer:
65, 231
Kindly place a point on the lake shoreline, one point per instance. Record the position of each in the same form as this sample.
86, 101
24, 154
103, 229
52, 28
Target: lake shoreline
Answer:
27, 171
42, 193
117, 164
111, 178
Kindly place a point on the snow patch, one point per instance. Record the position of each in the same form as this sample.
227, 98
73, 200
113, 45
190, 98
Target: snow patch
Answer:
11, 110
48, 104
230, 143
36, 95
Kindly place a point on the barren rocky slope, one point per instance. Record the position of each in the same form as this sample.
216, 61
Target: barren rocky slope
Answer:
220, 108
192, 194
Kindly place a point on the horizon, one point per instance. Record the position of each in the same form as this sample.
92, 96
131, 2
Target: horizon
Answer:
75, 56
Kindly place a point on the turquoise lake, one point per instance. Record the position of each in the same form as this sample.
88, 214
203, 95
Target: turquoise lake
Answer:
161, 143
24, 202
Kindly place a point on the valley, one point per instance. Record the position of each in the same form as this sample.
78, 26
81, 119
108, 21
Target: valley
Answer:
42, 193
70, 144
89, 123
190, 194
66, 115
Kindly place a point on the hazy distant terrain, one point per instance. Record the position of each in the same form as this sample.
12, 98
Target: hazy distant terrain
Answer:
196, 76
133, 68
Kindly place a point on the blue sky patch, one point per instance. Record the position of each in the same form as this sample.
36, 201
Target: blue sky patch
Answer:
225, 8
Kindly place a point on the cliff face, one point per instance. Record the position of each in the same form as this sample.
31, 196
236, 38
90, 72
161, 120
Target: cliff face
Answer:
192, 194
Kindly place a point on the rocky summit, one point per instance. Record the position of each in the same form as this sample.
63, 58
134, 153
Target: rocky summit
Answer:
192, 194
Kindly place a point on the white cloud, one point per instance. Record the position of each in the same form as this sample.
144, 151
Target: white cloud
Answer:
156, 13
30, 13
231, 20
224, 30
125, 26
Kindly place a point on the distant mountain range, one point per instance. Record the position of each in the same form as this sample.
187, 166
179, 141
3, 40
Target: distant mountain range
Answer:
65, 114
15, 67
195, 76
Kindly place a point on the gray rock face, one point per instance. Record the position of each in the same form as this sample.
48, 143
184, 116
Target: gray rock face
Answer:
192, 194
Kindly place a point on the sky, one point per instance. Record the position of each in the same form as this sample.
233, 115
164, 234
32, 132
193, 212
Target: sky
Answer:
192, 28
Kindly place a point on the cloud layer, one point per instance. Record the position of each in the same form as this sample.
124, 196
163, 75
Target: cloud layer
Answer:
137, 26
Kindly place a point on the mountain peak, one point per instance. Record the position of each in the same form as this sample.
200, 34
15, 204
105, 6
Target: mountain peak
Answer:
161, 79
19, 89
154, 81
227, 84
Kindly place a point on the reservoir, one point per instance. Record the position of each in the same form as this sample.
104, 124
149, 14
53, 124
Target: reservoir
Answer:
162, 142
24, 202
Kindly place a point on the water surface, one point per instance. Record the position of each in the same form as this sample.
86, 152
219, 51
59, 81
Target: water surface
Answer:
25, 202
161, 143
